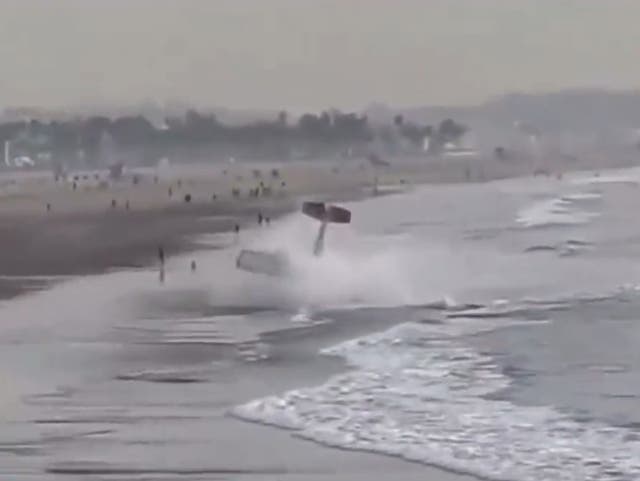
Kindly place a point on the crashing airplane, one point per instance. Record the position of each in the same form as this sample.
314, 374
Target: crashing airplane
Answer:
277, 263
376, 161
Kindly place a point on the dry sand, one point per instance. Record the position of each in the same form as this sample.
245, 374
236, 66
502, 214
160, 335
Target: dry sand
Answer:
50, 228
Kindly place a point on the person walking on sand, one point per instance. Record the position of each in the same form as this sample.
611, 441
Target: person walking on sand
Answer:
161, 259
259, 218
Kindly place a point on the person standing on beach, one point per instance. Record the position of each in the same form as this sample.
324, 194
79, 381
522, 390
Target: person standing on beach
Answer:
161, 259
259, 218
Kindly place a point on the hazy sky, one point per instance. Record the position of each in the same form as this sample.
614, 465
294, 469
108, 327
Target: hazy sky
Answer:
311, 53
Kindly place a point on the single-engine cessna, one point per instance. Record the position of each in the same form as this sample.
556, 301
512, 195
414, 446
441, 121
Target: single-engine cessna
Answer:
276, 263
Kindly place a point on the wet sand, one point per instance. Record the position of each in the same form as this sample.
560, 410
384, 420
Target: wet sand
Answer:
156, 405
151, 401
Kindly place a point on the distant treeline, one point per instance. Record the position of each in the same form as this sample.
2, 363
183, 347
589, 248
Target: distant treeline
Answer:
98, 139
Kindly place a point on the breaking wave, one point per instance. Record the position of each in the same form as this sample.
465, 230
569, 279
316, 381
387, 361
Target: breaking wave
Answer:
564, 210
418, 391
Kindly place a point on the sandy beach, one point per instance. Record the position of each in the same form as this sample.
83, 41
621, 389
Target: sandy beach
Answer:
49, 228
129, 379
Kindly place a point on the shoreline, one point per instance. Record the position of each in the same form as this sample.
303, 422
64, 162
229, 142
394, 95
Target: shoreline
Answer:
84, 235
267, 449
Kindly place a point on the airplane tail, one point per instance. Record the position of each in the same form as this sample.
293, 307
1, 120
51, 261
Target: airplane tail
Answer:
326, 214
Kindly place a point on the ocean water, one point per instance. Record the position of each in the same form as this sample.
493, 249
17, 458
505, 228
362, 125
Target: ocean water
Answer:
487, 329
538, 379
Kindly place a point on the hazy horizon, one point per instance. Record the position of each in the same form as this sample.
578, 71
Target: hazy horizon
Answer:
310, 54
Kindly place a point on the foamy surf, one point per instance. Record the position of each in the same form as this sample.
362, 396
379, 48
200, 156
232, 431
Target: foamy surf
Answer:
421, 393
558, 211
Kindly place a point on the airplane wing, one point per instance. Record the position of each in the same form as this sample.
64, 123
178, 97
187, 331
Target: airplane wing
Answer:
262, 262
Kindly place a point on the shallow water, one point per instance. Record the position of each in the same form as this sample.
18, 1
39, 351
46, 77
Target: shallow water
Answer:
538, 383
487, 329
